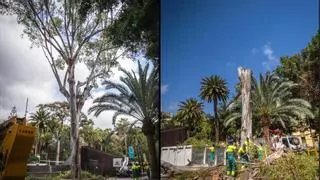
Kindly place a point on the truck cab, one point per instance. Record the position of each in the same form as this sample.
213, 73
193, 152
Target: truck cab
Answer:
293, 143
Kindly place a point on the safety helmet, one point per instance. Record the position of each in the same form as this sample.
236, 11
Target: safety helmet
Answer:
230, 141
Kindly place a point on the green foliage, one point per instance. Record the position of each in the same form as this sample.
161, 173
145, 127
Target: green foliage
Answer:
195, 142
169, 121
190, 113
33, 159
205, 129
214, 88
292, 166
34, 178
137, 27
84, 174
303, 69
272, 102
138, 96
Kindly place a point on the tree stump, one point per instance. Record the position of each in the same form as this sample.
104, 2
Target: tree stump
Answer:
246, 120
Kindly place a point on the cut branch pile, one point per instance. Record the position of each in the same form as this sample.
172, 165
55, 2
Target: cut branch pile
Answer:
249, 173
198, 172
276, 155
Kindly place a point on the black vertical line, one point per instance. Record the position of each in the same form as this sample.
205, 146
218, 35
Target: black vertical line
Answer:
318, 103
159, 105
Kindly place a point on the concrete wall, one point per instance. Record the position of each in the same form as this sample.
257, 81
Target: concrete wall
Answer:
179, 155
176, 155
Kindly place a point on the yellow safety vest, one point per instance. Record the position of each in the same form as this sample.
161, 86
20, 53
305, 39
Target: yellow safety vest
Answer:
211, 149
134, 167
241, 150
231, 148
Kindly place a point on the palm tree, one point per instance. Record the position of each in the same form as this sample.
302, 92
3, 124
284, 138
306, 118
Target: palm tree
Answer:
39, 119
138, 97
214, 89
272, 103
190, 113
168, 121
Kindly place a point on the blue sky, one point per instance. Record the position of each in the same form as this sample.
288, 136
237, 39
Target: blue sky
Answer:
214, 37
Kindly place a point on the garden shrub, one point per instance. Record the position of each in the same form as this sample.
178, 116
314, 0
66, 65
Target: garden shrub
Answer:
292, 166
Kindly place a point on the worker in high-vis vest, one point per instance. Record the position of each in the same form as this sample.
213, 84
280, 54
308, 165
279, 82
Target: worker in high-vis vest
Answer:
211, 154
231, 158
243, 153
136, 170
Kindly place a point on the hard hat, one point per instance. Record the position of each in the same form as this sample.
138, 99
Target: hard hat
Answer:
230, 141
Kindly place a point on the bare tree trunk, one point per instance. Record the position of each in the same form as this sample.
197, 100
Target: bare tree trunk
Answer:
75, 115
58, 152
246, 124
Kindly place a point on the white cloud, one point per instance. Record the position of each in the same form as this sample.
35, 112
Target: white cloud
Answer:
164, 88
173, 106
268, 52
25, 73
271, 58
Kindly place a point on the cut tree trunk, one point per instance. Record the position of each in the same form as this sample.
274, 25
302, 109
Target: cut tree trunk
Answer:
246, 123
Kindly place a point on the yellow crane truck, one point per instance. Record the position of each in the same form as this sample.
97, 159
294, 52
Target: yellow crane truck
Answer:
17, 138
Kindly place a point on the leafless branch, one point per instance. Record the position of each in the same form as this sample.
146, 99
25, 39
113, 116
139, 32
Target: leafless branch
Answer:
86, 39
66, 25
55, 27
51, 61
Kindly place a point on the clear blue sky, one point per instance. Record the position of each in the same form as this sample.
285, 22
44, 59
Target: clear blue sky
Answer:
213, 37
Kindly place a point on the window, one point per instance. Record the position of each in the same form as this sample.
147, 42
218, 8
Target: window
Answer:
285, 142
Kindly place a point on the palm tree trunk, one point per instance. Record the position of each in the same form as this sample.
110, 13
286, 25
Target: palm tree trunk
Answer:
149, 131
265, 129
216, 119
153, 156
